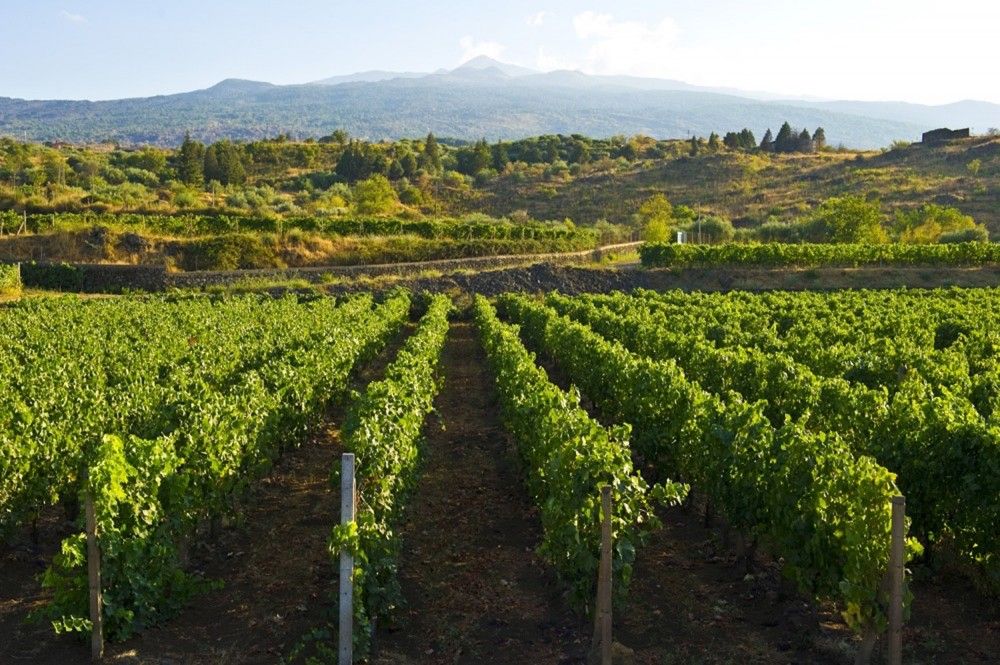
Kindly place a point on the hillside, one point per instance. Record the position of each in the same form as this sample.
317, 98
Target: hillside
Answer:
749, 188
483, 98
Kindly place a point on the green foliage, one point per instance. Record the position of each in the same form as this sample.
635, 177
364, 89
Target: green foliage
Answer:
191, 162
375, 196
655, 218
10, 280
663, 255
905, 379
383, 429
929, 222
233, 252
177, 407
568, 457
54, 276
823, 509
709, 229
975, 234
847, 219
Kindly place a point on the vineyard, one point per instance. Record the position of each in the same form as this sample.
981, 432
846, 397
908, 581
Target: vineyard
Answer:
780, 255
773, 429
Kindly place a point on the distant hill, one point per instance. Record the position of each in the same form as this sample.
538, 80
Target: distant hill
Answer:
482, 98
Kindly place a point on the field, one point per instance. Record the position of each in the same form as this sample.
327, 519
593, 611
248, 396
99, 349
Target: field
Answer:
753, 444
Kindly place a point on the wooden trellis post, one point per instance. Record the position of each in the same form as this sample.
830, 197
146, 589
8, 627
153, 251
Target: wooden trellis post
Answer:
602, 611
94, 581
896, 574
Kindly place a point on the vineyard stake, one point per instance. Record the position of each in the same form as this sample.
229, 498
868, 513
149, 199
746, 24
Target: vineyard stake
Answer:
347, 505
94, 581
602, 615
896, 572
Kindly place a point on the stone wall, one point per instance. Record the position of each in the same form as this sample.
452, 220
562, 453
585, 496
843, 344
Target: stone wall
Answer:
115, 278
200, 279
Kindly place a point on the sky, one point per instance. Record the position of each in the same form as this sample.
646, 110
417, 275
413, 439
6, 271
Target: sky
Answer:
909, 50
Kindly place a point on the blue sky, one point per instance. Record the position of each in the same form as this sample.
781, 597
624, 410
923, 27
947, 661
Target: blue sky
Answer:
912, 50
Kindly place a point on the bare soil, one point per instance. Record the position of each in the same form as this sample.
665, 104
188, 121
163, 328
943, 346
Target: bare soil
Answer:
476, 591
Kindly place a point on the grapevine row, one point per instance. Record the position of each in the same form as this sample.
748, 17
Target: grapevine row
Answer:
947, 456
569, 456
823, 509
775, 255
383, 429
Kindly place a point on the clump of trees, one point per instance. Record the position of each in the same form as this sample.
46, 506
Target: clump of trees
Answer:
658, 220
855, 219
793, 140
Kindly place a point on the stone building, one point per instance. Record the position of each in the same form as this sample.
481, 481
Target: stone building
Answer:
944, 135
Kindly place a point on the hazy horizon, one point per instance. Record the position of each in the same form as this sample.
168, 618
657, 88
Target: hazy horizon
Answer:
851, 50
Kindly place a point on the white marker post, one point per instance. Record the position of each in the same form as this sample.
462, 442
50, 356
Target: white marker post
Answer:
347, 506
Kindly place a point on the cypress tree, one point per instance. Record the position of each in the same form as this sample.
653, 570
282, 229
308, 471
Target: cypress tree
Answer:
819, 138
805, 143
431, 158
767, 143
190, 162
785, 141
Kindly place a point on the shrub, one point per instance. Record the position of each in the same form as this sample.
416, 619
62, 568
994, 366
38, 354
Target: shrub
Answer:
10, 280
231, 252
975, 234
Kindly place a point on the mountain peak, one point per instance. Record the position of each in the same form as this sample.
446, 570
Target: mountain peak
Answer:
239, 85
485, 62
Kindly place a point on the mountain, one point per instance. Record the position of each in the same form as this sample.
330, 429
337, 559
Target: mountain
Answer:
486, 62
481, 98
370, 76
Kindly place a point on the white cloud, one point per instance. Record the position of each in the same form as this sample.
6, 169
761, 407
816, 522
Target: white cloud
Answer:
627, 47
71, 17
538, 19
472, 48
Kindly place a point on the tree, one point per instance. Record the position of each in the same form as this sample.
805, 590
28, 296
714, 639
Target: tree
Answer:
851, 219
694, 146
375, 196
819, 138
656, 230
731, 140
767, 143
804, 143
785, 141
224, 162
500, 157
655, 218
191, 162
431, 157
409, 163
713, 142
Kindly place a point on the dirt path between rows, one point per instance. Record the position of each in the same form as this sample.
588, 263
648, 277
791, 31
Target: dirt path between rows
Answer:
476, 591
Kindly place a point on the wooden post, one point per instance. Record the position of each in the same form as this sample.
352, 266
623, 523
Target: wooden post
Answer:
94, 579
896, 572
347, 505
602, 611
